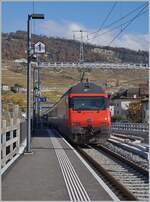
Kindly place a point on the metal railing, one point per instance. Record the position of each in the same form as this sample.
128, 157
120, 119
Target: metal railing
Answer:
94, 65
131, 126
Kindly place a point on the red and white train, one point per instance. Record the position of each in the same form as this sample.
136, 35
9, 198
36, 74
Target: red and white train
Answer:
82, 114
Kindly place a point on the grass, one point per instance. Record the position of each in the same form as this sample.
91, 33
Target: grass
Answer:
58, 83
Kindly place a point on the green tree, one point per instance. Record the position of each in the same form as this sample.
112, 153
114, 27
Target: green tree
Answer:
135, 112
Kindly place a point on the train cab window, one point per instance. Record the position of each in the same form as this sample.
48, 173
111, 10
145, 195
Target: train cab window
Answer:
88, 103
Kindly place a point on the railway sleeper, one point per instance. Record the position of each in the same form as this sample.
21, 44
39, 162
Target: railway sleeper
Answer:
130, 163
118, 186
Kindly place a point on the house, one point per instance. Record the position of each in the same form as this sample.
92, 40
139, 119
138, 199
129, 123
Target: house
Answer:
121, 106
22, 90
112, 108
18, 89
15, 89
5, 87
22, 60
133, 92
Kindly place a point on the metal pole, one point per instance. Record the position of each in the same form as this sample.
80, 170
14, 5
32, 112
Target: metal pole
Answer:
35, 90
81, 48
39, 92
34, 99
81, 59
81, 56
29, 48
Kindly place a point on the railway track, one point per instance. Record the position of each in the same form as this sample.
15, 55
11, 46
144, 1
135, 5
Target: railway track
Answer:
129, 180
135, 158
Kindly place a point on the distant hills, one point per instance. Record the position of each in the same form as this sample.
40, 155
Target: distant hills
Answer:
63, 50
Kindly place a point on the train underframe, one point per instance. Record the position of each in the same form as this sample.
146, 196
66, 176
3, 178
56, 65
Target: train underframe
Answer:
90, 135
82, 135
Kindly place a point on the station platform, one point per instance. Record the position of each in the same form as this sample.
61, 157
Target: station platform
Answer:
54, 172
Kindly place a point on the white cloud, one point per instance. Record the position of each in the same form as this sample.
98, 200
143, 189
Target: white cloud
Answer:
60, 29
133, 41
64, 29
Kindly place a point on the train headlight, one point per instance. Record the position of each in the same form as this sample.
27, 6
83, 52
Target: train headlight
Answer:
89, 121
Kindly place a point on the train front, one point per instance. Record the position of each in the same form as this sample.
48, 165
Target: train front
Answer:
89, 116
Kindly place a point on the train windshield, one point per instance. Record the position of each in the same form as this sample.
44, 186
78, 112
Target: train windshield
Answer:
88, 103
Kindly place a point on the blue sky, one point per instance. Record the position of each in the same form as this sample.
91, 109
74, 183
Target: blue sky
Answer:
63, 17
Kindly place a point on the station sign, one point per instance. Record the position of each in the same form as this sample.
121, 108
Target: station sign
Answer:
39, 47
41, 99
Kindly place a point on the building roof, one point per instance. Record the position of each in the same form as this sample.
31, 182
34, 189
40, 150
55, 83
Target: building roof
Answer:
127, 99
22, 60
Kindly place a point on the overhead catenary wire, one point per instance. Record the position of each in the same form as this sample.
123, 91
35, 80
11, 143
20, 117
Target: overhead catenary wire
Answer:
116, 27
106, 18
121, 11
118, 20
104, 21
109, 30
136, 16
122, 28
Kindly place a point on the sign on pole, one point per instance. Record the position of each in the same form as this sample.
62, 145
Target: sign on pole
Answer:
41, 99
39, 47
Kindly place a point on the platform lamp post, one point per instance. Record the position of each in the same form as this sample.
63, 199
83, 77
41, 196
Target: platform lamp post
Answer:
29, 58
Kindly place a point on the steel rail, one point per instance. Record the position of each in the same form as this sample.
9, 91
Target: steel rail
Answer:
120, 188
128, 162
129, 185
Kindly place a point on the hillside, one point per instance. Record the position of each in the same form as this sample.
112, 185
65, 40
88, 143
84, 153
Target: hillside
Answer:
60, 50
54, 84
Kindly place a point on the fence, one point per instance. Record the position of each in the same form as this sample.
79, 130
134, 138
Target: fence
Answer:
94, 65
12, 136
131, 126
132, 129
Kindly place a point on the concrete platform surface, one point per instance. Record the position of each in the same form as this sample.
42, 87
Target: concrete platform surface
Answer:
54, 172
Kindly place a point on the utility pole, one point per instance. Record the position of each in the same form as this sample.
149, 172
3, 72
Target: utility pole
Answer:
81, 48
81, 58
29, 49
29, 59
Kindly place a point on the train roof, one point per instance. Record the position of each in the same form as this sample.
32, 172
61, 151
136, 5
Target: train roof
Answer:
86, 87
